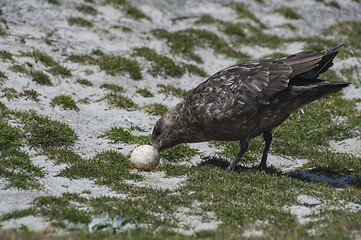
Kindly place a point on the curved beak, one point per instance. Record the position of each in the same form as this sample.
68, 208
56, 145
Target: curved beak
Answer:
156, 146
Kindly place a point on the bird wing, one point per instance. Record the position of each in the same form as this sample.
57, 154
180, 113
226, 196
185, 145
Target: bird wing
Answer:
238, 91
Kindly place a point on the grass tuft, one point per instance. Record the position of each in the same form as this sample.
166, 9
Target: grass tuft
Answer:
159, 64
17, 168
31, 94
10, 137
42, 132
243, 12
64, 101
87, 9
180, 152
112, 87
157, 109
184, 42
117, 65
168, 89
129, 9
145, 93
59, 208
288, 13
121, 135
117, 100
84, 82
5, 55
40, 78
106, 168
80, 22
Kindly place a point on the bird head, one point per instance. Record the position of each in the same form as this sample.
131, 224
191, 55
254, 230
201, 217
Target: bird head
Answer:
169, 129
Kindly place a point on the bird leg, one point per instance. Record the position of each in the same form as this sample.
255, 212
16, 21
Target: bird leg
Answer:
267, 136
243, 149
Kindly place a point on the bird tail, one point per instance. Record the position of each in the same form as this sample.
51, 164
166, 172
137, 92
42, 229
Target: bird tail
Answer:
312, 89
324, 63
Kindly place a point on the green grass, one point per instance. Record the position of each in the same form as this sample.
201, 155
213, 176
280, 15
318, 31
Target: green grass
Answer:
5, 55
144, 93
10, 136
85, 82
18, 214
106, 168
44, 58
180, 152
129, 9
345, 32
60, 208
54, 67
288, 13
87, 9
246, 34
84, 59
10, 93
18, 68
112, 87
31, 94
2, 77
60, 70
54, 2
119, 65
184, 42
243, 12
116, 99
168, 89
19, 171
80, 22
352, 74
206, 19
333, 4
157, 109
65, 102
42, 132
40, 78
121, 135
160, 65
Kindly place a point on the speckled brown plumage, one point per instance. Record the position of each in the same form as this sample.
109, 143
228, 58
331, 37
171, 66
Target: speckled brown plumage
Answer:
243, 101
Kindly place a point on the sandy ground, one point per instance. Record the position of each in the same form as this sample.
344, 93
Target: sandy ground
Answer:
35, 20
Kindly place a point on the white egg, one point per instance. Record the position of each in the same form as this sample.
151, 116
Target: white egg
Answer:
145, 157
